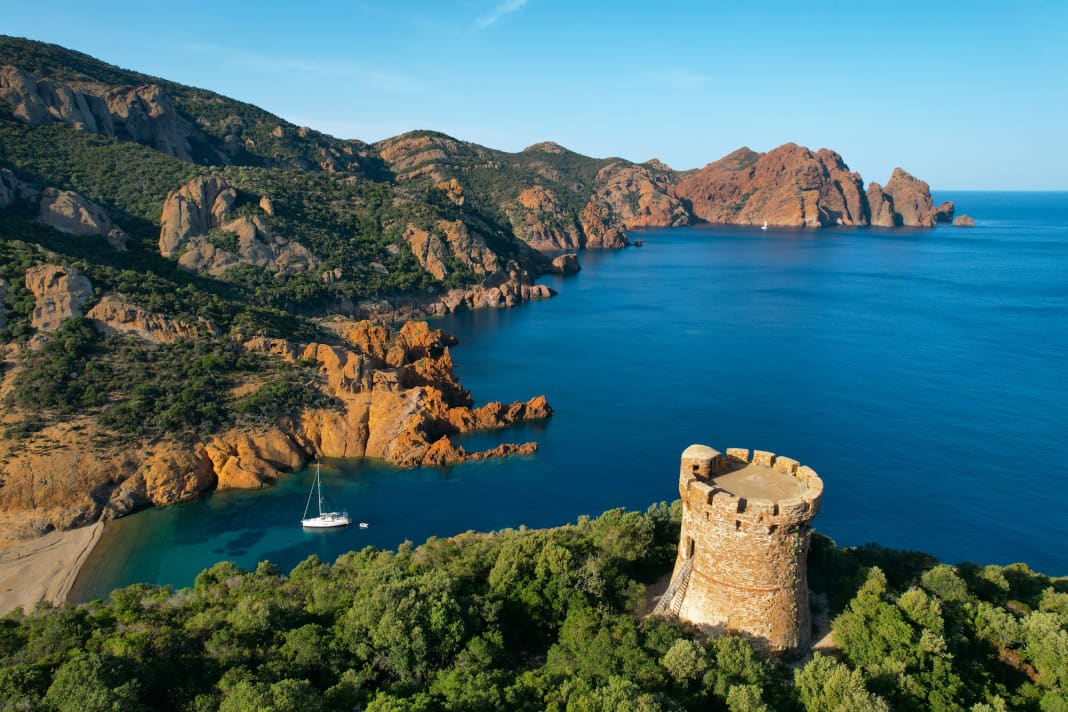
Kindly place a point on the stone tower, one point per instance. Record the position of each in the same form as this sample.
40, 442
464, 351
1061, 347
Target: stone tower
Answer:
744, 541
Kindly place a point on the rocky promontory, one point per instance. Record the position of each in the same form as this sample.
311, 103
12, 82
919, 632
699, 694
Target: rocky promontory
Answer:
396, 398
905, 201
788, 186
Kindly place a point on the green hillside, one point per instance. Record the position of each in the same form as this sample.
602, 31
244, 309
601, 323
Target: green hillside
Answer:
540, 620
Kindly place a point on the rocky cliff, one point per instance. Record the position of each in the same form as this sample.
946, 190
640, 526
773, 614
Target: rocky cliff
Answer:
59, 293
538, 218
145, 114
398, 397
113, 314
788, 186
905, 201
641, 195
200, 227
68, 212
395, 393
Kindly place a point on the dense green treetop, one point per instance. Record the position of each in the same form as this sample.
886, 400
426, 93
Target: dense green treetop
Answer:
539, 619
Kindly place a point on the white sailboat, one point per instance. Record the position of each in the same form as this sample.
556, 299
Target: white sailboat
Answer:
764, 226
325, 520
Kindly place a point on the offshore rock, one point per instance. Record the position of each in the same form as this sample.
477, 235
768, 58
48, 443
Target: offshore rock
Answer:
913, 206
70, 213
565, 264
963, 221
944, 212
59, 293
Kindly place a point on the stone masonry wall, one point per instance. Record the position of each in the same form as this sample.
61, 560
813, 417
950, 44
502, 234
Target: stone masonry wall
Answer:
749, 571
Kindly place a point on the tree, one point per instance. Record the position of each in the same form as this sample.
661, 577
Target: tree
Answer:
825, 685
88, 682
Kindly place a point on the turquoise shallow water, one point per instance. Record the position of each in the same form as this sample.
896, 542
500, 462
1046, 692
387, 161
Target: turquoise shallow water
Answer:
919, 372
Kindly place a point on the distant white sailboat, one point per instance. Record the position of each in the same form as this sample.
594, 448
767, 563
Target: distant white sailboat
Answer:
764, 226
325, 520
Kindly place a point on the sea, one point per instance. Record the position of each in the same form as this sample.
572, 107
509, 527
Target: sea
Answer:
921, 373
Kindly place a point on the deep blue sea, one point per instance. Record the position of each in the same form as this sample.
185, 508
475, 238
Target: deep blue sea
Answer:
920, 372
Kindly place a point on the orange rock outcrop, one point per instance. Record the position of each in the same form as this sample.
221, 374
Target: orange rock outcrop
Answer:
787, 186
397, 398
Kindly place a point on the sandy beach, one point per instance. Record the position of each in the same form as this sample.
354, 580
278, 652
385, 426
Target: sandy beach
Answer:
44, 569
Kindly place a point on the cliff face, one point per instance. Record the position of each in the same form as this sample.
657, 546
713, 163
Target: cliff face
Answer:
788, 186
62, 210
641, 195
68, 212
59, 293
906, 201
200, 227
145, 114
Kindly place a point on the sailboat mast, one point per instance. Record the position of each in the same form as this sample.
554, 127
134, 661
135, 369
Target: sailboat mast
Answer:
319, 487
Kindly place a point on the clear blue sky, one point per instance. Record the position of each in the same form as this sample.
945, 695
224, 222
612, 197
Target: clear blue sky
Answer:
962, 94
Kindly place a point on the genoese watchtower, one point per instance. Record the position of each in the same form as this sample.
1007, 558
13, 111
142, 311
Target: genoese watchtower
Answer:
742, 550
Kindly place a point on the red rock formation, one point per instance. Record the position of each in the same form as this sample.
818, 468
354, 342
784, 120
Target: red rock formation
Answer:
70, 213
963, 221
42, 101
538, 219
145, 114
207, 203
59, 293
789, 186
640, 195
911, 199
565, 264
944, 212
602, 227
399, 400
881, 206
112, 314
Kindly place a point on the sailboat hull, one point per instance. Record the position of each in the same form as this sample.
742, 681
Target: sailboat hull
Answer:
328, 520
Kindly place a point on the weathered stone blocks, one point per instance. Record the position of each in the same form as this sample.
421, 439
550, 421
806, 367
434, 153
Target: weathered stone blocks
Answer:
745, 535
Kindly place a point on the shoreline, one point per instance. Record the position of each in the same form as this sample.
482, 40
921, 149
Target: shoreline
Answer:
44, 568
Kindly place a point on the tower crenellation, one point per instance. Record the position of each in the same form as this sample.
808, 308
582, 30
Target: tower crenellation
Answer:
741, 563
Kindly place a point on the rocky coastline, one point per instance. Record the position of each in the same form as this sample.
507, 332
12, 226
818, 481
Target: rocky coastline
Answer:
418, 225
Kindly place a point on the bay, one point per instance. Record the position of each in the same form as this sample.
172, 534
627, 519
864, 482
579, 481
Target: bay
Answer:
920, 372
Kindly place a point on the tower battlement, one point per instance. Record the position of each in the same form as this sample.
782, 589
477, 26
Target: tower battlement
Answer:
744, 542
705, 481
